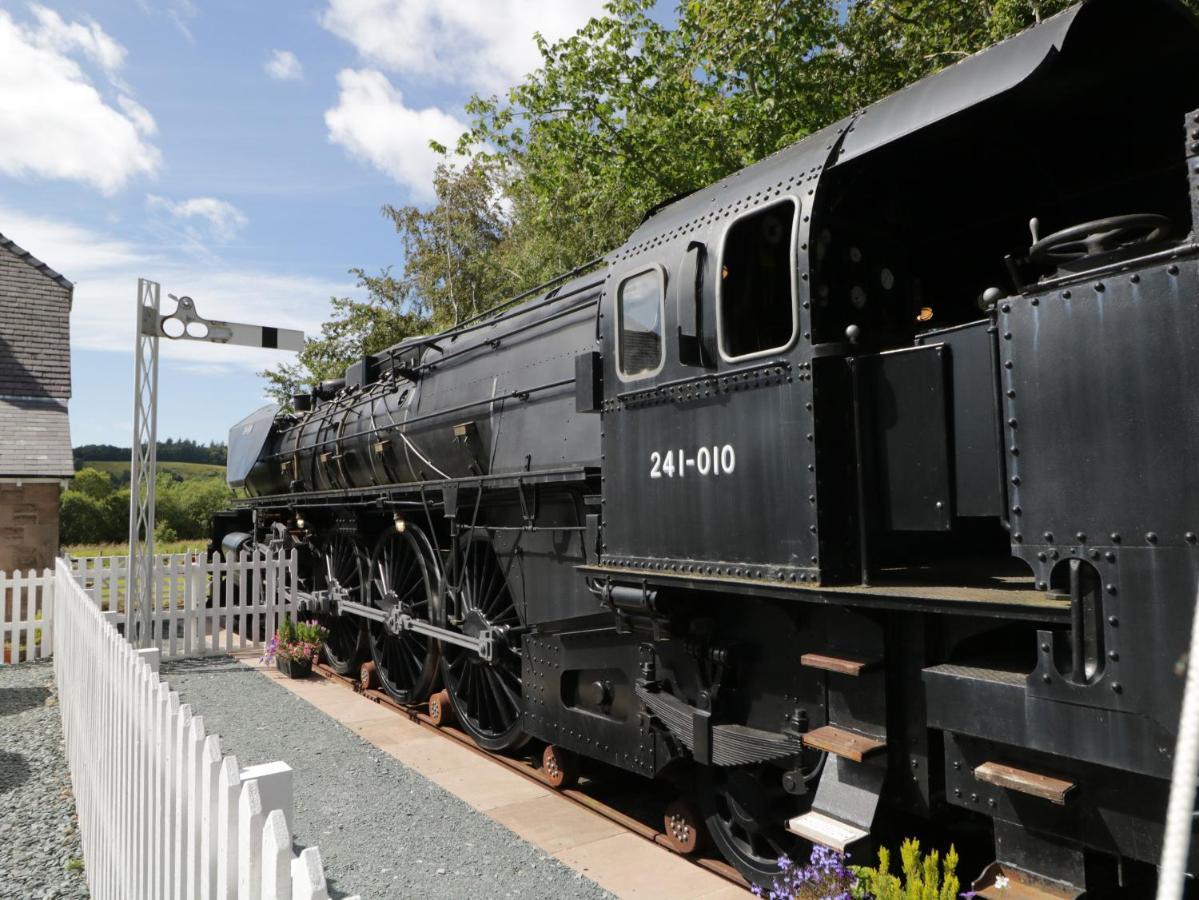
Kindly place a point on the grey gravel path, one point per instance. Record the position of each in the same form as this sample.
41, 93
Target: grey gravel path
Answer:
383, 830
40, 855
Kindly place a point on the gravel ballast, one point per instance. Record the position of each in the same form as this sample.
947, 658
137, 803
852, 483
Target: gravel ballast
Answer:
40, 853
383, 829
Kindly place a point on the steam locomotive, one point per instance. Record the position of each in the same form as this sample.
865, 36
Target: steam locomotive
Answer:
833, 494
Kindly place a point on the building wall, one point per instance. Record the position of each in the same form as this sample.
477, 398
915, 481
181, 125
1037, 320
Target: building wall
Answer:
28, 525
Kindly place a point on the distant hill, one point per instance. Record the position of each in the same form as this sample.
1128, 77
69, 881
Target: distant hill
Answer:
183, 471
170, 450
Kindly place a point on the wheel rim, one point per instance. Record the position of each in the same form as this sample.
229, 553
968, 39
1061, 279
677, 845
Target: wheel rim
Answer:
344, 561
486, 697
745, 819
402, 572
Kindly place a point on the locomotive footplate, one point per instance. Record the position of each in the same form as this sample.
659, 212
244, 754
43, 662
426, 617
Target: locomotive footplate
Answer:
1010, 599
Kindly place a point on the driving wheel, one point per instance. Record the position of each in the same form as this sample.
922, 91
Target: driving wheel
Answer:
485, 694
343, 560
404, 578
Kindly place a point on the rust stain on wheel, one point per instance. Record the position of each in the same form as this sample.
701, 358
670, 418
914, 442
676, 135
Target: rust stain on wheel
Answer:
559, 767
683, 827
440, 711
368, 679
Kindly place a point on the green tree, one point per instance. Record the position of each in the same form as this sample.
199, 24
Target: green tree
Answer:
93, 483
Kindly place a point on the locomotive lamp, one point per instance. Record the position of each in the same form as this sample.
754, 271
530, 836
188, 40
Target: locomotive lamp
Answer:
400, 524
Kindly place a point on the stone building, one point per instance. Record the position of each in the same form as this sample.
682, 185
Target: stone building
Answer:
35, 383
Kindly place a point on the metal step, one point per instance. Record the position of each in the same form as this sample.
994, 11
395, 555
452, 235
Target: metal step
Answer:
842, 665
1003, 881
1035, 784
827, 831
842, 742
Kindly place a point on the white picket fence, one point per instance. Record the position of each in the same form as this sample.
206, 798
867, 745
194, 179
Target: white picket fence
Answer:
163, 813
25, 613
202, 605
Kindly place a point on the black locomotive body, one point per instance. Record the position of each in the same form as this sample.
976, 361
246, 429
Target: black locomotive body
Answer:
822, 494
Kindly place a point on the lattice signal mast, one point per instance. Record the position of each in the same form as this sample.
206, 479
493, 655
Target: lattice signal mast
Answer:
183, 324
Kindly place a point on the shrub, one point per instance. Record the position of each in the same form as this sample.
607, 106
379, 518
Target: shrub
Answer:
924, 877
825, 877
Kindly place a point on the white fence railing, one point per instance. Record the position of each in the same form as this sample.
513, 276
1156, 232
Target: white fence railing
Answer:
25, 611
201, 604
162, 812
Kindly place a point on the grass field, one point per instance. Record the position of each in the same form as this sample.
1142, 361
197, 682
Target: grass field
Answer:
196, 545
120, 470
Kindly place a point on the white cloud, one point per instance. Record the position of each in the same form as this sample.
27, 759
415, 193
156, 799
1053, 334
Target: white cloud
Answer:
373, 124
484, 46
54, 123
283, 65
105, 270
222, 219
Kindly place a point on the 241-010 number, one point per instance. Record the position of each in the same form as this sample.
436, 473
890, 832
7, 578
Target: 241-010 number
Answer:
714, 460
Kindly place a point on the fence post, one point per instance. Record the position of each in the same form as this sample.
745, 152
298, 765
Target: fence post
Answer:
308, 877
228, 788
274, 787
209, 815
276, 858
250, 822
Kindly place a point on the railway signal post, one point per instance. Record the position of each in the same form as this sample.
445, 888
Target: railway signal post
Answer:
182, 324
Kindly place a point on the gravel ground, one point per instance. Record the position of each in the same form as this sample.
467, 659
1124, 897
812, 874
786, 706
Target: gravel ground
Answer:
40, 855
383, 830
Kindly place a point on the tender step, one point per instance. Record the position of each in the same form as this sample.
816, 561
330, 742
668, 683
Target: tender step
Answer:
850, 745
1034, 784
842, 665
827, 831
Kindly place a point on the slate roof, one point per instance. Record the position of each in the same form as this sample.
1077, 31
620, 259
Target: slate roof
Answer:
35, 439
35, 366
35, 326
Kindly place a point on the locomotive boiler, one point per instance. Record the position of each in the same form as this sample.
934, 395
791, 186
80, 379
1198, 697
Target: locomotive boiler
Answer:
855, 491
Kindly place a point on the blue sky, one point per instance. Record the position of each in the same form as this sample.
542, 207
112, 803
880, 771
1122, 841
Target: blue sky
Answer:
235, 152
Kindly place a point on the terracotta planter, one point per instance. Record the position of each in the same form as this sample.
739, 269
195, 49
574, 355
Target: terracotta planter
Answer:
294, 668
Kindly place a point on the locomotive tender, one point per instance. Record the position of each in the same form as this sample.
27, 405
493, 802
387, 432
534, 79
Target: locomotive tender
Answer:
826, 494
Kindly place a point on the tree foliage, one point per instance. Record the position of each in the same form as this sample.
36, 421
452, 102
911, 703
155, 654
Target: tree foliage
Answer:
623, 115
94, 510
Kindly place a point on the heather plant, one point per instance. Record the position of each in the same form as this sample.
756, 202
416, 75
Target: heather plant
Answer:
825, 877
925, 877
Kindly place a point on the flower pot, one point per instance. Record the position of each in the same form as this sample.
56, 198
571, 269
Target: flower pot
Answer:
294, 668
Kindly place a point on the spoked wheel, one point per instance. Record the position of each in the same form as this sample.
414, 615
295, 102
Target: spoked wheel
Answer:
486, 696
344, 561
404, 574
745, 810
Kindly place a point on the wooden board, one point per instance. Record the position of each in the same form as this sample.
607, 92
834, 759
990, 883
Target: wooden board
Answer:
1032, 783
839, 664
848, 744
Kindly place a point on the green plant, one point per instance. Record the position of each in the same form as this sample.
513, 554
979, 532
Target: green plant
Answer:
296, 641
925, 877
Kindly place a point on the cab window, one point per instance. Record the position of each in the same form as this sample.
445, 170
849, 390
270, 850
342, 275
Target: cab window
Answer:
757, 305
639, 305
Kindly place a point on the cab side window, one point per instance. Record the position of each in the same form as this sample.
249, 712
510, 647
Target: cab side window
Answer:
639, 306
757, 305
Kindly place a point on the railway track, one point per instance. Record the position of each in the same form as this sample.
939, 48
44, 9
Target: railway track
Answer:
616, 796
